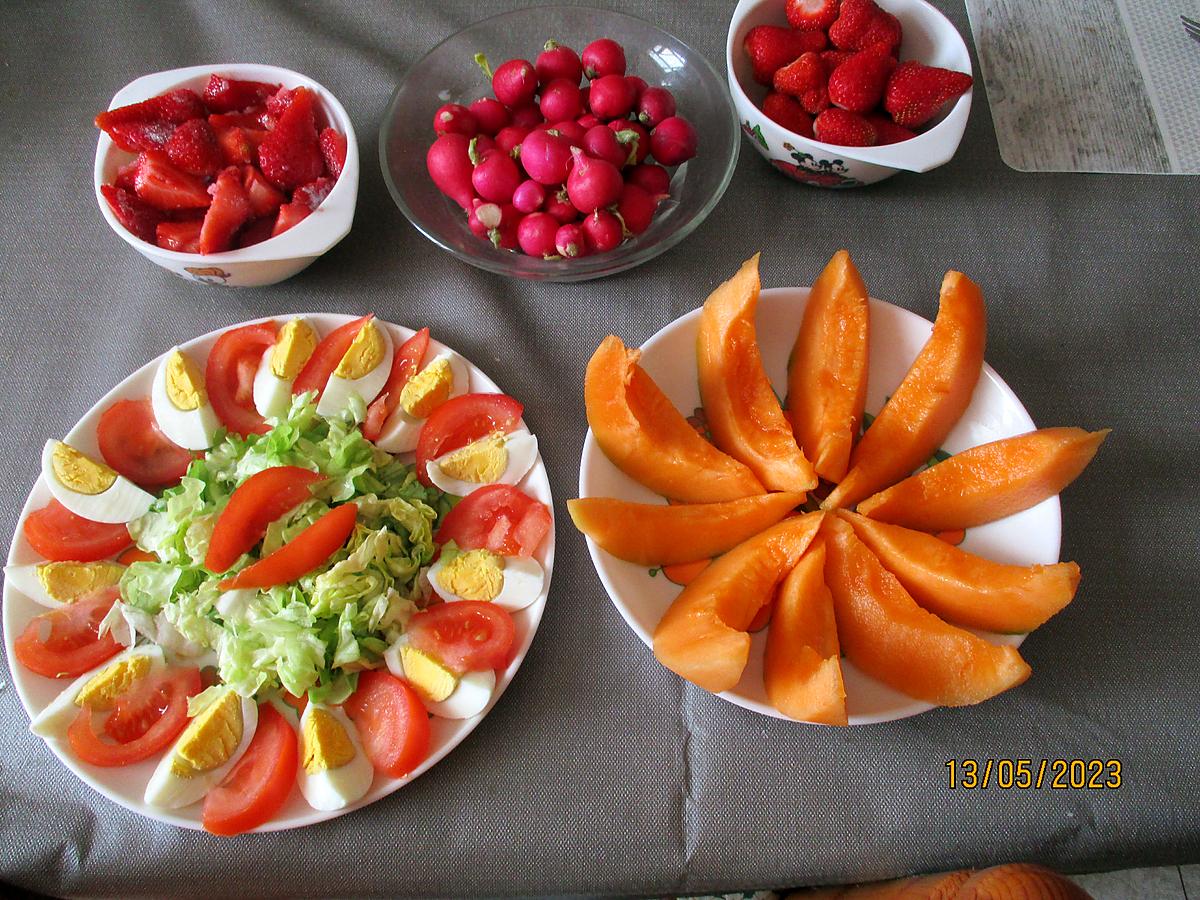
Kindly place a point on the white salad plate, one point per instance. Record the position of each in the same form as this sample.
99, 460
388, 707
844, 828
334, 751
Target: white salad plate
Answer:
896, 337
125, 785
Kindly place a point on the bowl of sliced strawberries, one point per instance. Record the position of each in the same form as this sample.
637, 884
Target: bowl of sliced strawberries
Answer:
844, 93
240, 175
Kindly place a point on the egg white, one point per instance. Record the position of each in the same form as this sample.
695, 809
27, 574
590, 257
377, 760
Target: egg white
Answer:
122, 502
192, 429
332, 789
400, 431
523, 580
272, 394
522, 451
54, 720
336, 396
469, 698
25, 579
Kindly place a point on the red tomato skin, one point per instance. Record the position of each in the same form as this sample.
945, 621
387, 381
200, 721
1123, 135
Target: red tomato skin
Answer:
461, 420
136, 554
229, 375
466, 635
257, 787
131, 442
406, 362
258, 501
301, 554
73, 644
391, 721
59, 535
326, 356
499, 518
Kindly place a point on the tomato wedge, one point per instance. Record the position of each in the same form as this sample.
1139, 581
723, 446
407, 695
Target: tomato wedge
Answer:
229, 376
325, 358
144, 721
131, 442
457, 422
258, 786
466, 635
258, 501
499, 518
406, 362
59, 535
66, 642
136, 554
301, 554
391, 721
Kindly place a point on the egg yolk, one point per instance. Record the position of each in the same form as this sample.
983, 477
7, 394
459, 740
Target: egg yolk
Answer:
210, 738
433, 681
326, 744
474, 575
67, 581
428, 389
81, 473
294, 346
102, 690
480, 462
185, 383
364, 353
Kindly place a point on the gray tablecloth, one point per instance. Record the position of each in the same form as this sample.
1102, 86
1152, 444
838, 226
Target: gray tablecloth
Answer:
599, 771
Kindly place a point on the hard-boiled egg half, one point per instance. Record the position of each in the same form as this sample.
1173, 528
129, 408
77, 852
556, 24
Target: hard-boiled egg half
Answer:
442, 378
98, 688
363, 370
56, 584
334, 771
444, 693
511, 582
280, 365
89, 488
180, 402
496, 459
211, 744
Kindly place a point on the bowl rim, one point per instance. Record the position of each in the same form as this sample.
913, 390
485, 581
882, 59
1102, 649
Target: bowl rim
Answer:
580, 269
297, 242
931, 148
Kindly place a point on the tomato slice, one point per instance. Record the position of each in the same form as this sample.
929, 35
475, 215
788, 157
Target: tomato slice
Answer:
131, 442
466, 635
499, 518
325, 358
406, 362
457, 422
391, 721
59, 535
258, 501
145, 720
257, 787
66, 642
301, 554
136, 554
229, 376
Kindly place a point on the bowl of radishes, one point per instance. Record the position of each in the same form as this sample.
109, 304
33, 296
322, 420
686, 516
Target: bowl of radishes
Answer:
559, 143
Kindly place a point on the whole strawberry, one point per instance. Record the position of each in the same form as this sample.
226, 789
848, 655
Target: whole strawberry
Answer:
785, 111
859, 82
840, 126
915, 92
861, 23
887, 131
771, 47
806, 79
812, 15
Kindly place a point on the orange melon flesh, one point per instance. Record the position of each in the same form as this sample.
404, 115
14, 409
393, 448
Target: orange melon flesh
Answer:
802, 669
649, 439
743, 412
827, 374
1020, 881
987, 482
943, 886
929, 401
888, 636
966, 589
685, 573
650, 534
702, 637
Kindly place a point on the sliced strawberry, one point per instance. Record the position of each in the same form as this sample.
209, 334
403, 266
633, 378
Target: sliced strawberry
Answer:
290, 155
124, 179
861, 23
251, 118
183, 237
278, 102
811, 15
149, 124
333, 148
225, 95
314, 193
787, 111
887, 131
771, 47
135, 136
840, 126
164, 186
859, 82
290, 214
264, 197
193, 148
915, 92
229, 211
256, 232
139, 218
239, 146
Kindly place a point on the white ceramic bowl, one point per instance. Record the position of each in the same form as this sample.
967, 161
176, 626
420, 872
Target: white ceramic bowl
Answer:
274, 259
929, 37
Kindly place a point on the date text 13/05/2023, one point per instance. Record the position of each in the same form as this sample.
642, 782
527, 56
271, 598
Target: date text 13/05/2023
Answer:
1035, 774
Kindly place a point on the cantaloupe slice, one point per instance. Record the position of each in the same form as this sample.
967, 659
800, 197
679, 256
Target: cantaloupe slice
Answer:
802, 669
654, 535
929, 401
827, 373
702, 637
649, 439
987, 482
943, 886
885, 633
743, 412
1020, 881
966, 589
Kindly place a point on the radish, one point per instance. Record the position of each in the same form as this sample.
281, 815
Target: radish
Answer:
601, 142
611, 97
483, 218
656, 104
593, 183
515, 83
636, 208
673, 141
558, 61
650, 177
481, 145
572, 131
529, 196
535, 234
509, 138
559, 206
454, 118
603, 57
602, 231
545, 156
635, 138
588, 120
491, 115
504, 235
496, 177
527, 116
560, 100
637, 86
570, 241
449, 165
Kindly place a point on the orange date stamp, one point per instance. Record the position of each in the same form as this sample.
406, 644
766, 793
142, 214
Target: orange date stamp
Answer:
1035, 774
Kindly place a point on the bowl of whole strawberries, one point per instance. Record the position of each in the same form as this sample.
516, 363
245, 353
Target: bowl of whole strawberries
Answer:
559, 143
240, 175
844, 93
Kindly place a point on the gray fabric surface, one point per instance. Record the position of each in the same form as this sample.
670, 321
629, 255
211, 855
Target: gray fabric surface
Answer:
599, 771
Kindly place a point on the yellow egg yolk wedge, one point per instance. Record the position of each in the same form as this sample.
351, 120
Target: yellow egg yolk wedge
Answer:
324, 742
428, 389
364, 353
210, 738
480, 462
292, 349
68, 581
80, 472
185, 382
474, 575
433, 681
103, 689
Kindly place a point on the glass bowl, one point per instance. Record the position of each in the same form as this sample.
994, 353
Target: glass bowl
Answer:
448, 74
